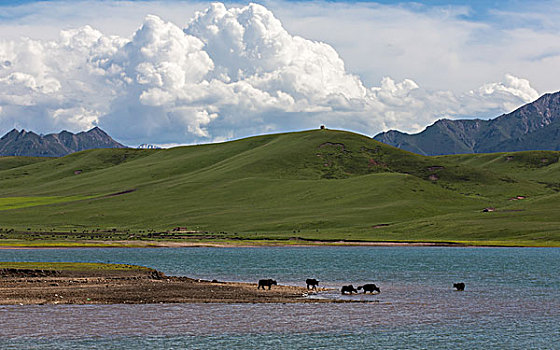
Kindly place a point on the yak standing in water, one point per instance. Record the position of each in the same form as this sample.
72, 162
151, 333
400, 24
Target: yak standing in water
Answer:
266, 283
369, 288
312, 282
350, 289
459, 286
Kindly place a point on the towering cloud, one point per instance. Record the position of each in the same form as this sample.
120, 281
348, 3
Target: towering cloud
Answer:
229, 73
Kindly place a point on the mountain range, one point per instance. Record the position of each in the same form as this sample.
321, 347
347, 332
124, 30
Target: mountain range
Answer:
28, 143
534, 126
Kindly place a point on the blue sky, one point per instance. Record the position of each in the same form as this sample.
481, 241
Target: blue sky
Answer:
480, 7
479, 10
365, 66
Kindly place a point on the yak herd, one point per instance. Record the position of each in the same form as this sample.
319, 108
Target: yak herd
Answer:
312, 283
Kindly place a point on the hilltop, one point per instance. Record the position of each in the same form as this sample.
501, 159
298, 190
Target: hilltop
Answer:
315, 185
534, 126
28, 143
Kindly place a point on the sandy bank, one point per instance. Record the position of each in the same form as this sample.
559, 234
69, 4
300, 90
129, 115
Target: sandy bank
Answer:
133, 287
218, 244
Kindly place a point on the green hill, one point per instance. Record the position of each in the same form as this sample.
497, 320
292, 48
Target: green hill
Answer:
315, 185
14, 162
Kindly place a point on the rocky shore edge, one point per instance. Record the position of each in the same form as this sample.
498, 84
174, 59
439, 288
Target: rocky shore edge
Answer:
29, 286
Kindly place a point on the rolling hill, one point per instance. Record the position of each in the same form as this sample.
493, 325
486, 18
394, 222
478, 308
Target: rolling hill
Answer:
534, 126
312, 185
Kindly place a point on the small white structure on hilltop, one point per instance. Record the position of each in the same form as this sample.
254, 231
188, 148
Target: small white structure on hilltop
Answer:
148, 146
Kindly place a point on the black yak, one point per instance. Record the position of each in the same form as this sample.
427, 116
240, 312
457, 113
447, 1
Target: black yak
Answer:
266, 283
312, 282
369, 288
350, 289
459, 286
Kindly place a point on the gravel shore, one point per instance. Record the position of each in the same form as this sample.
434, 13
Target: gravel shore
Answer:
20, 286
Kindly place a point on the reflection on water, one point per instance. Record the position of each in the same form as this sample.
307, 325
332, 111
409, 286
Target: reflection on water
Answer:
512, 300
245, 324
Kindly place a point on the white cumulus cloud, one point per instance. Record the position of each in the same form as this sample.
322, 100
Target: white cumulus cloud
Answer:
230, 72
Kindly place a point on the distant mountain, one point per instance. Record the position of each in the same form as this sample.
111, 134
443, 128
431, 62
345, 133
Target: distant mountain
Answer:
28, 143
534, 126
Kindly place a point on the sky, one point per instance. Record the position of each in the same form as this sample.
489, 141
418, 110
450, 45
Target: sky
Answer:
189, 72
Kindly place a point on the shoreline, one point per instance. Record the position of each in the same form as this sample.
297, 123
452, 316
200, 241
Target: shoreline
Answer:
256, 244
147, 244
37, 286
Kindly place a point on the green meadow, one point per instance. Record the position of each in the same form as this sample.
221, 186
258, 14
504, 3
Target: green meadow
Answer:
295, 187
70, 266
22, 202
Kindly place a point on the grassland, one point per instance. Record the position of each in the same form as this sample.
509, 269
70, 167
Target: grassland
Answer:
296, 187
22, 202
71, 266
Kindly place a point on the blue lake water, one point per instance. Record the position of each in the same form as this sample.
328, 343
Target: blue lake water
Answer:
512, 300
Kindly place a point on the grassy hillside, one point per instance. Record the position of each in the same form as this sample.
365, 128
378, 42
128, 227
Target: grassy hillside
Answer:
71, 266
14, 162
318, 184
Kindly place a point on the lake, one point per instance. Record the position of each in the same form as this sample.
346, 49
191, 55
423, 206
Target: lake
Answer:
512, 299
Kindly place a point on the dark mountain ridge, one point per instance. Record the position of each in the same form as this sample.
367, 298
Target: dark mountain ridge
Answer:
28, 143
534, 126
